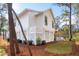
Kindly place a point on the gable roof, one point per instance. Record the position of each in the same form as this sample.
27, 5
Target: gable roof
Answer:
27, 10
39, 12
51, 13
45, 11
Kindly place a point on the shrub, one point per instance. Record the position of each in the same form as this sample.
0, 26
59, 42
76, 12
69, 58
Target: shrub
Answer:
19, 41
38, 41
8, 39
43, 42
30, 42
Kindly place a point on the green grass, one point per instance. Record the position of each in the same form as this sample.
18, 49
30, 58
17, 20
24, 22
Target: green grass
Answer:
75, 37
2, 51
60, 47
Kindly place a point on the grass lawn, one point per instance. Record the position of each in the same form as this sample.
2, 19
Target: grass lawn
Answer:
61, 47
2, 51
74, 37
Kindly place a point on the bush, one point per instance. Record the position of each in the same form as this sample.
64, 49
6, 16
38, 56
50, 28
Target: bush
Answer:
43, 42
19, 41
24, 42
8, 39
30, 42
38, 41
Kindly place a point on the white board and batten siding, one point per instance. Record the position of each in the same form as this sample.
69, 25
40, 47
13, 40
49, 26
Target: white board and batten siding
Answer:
34, 26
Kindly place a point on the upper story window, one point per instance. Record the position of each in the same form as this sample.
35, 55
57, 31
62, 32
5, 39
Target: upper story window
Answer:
46, 21
52, 24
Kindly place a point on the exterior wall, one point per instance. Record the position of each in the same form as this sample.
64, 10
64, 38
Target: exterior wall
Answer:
39, 29
24, 21
49, 20
39, 26
49, 36
28, 22
32, 19
48, 30
34, 26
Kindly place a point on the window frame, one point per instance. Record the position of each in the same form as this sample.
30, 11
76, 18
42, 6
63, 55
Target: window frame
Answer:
46, 22
52, 24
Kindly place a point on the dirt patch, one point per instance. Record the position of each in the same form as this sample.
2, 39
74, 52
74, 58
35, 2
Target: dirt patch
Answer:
40, 51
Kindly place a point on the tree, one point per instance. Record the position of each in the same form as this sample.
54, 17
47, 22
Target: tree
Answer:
65, 29
57, 22
68, 5
65, 16
22, 32
76, 13
13, 43
3, 20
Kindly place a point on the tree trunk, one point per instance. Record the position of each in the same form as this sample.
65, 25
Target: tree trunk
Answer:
0, 33
5, 35
23, 33
70, 31
55, 36
0, 24
13, 47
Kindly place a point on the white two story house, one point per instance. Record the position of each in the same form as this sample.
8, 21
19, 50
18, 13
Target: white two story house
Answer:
36, 24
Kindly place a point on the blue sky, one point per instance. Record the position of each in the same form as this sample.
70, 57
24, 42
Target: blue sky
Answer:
38, 6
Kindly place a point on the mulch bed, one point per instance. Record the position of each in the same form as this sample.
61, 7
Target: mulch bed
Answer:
40, 51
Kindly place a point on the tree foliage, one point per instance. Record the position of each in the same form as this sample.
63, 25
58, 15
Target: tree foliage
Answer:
68, 12
3, 20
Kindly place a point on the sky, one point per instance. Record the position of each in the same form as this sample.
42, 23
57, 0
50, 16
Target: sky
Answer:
38, 7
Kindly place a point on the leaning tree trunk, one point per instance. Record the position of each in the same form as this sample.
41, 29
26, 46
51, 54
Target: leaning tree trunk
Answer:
70, 31
23, 32
13, 43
